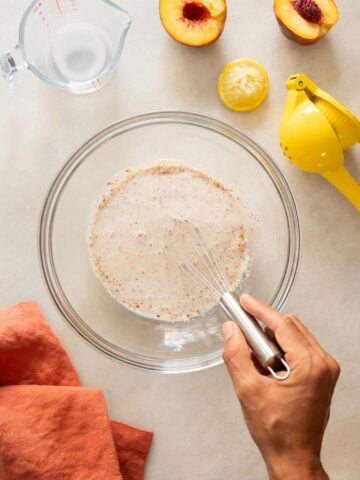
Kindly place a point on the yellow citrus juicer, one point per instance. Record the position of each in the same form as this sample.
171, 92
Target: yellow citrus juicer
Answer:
315, 129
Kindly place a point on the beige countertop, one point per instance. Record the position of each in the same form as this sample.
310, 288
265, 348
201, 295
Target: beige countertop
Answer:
199, 430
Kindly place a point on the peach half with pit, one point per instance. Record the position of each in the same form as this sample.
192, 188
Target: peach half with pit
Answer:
305, 21
193, 23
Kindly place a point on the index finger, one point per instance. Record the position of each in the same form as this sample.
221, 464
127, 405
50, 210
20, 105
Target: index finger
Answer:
237, 357
267, 314
288, 335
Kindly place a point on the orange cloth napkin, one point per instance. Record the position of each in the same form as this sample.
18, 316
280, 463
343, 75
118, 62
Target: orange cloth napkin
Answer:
51, 428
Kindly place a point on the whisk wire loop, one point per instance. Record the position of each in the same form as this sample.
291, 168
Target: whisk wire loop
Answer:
208, 261
208, 258
190, 270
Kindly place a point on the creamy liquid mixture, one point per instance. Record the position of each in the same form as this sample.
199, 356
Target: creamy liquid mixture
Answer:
135, 235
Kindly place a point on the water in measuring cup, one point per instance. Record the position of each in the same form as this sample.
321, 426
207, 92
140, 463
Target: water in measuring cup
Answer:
79, 51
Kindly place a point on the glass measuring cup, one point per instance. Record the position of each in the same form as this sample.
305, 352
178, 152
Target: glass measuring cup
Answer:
70, 44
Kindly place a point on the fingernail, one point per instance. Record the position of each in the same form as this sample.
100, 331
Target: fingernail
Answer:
228, 330
247, 296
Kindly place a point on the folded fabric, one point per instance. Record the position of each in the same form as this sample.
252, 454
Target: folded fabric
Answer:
50, 426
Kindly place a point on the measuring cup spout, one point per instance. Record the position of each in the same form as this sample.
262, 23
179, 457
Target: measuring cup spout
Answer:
12, 62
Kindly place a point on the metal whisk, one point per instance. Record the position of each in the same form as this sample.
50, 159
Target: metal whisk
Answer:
208, 270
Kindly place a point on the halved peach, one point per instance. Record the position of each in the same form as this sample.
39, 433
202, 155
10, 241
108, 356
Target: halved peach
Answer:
305, 21
193, 23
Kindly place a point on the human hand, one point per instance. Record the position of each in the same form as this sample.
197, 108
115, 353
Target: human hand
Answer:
286, 419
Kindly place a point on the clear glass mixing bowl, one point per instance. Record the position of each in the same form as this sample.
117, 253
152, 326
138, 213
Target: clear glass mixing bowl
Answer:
200, 142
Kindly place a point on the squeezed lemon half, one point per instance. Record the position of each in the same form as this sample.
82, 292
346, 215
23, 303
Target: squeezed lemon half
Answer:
243, 84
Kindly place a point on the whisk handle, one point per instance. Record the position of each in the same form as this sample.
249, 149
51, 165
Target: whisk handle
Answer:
265, 350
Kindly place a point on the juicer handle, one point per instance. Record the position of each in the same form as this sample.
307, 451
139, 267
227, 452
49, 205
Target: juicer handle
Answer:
12, 62
266, 351
346, 184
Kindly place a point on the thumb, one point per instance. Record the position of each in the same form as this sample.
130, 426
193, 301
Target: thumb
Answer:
237, 356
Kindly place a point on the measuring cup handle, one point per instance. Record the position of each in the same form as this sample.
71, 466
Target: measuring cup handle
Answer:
12, 62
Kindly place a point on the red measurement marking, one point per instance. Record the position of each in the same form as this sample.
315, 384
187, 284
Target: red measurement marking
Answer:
58, 6
52, 11
63, 6
95, 84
